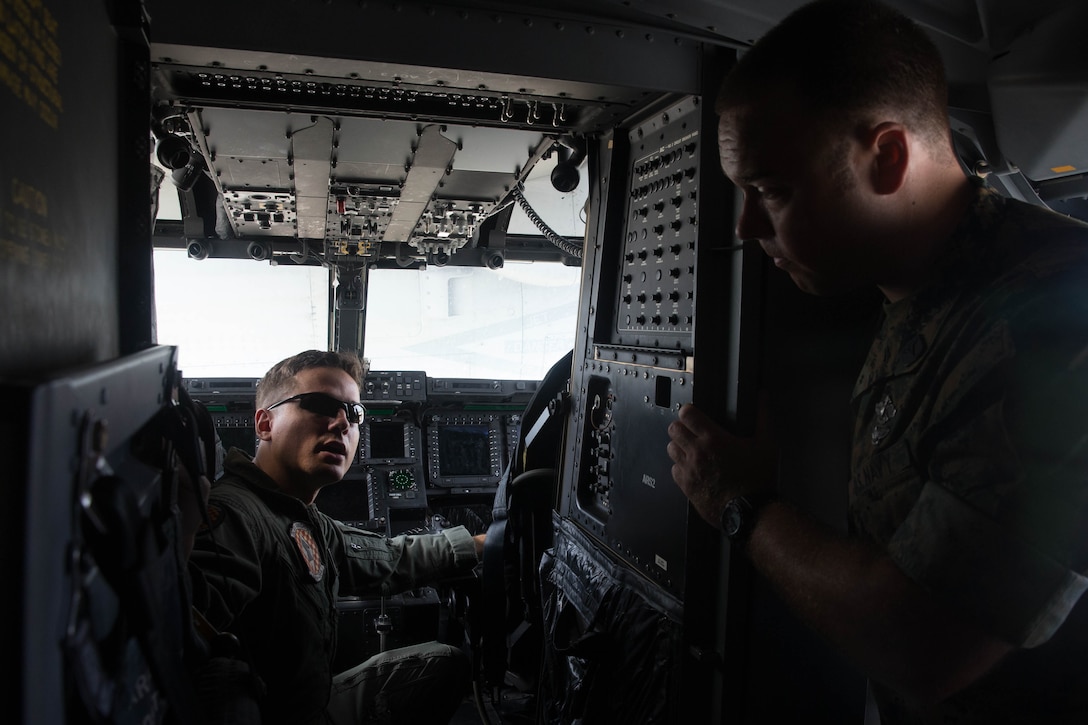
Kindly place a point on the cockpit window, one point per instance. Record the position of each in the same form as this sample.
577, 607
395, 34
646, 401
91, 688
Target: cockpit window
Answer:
510, 323
471, 322
237, 317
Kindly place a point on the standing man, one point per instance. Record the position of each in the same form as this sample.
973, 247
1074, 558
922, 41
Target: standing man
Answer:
958, 590
269, 566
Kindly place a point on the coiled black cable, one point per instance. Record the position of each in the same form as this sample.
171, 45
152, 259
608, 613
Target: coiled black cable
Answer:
564, 244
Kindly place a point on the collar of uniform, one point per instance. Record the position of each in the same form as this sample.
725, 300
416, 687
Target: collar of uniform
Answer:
898, 348
911, 324
238, 464
964, 257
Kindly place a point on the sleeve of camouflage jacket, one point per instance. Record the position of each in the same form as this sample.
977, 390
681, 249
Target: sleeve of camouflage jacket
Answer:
372, 564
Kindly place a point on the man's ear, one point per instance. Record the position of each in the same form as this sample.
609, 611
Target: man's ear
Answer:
890, 154
262, 423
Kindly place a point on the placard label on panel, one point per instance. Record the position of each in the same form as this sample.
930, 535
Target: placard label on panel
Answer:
31, 58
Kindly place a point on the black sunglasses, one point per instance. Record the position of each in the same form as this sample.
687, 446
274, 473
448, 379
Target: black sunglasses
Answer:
325, 405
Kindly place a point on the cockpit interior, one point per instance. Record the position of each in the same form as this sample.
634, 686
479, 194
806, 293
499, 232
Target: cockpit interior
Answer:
423, 163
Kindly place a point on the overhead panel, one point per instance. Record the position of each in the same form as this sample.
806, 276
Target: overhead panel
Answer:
432, 157
311, 161
249, 154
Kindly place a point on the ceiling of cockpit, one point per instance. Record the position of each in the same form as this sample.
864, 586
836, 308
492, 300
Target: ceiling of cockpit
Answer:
504, 42
989, 23
368, 123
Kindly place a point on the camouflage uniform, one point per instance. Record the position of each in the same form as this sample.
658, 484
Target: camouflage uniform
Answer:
269, 569
970, 456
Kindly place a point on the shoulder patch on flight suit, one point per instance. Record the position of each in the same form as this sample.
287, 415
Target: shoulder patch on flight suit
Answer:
215, 517
307, 546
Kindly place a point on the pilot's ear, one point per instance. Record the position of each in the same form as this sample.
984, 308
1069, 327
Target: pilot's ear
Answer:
890, 154
262, 423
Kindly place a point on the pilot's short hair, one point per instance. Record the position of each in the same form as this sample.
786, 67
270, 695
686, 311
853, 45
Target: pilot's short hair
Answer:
847, 58
279, 381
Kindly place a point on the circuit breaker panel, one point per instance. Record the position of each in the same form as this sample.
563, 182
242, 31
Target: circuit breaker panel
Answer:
664, 255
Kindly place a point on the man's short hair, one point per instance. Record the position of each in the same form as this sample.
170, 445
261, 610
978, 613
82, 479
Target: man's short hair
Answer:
279, 381
847, 58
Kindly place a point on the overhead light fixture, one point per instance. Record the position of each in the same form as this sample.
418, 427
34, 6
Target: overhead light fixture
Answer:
259, 251
571, 151
177, 154
198, 249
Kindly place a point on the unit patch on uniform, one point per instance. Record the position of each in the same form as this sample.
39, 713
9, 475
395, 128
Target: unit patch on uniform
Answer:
307, 546
215, 517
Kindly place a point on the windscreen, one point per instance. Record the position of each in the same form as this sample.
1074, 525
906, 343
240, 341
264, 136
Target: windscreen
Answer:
510, 323
237, 317
471, 322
